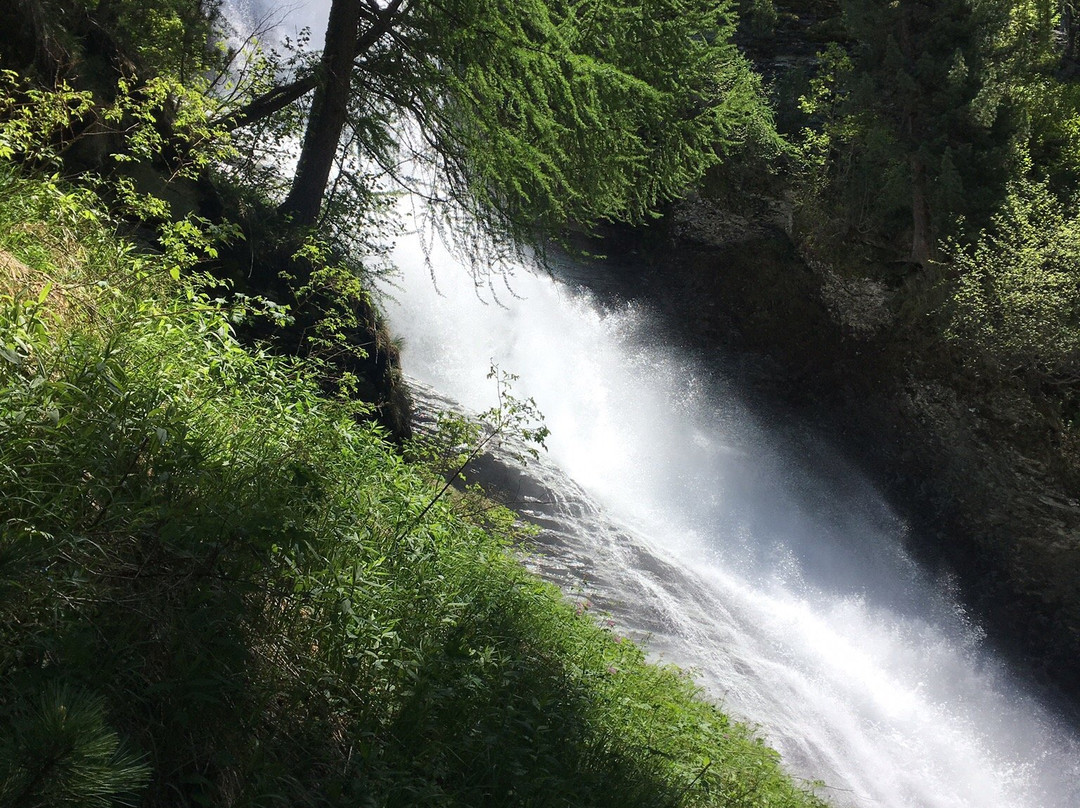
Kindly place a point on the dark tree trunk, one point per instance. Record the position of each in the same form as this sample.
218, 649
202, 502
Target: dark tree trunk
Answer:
912, 128
329, 110
1068, 34
920, 213
30, 43
280, 97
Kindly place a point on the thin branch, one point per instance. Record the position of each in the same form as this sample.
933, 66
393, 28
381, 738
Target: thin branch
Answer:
416, 520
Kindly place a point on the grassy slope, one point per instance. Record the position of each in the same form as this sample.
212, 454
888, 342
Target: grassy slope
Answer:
216, 587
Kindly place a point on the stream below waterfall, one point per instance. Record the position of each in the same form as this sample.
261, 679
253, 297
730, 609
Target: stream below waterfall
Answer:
742, 549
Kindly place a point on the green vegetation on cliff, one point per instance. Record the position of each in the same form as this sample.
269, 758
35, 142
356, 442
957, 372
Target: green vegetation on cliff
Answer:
932, 127
935, 202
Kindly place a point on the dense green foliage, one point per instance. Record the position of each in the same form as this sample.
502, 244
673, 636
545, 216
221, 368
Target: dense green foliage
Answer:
918, 112
175, 37
941, 149
218, 588
1017, 304
595, 110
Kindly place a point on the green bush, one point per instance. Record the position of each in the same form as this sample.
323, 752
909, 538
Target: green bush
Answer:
1016, 299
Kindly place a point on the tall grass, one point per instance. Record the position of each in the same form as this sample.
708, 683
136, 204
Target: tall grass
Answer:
218, 587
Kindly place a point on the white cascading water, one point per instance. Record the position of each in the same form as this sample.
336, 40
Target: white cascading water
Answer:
780, 578
740, 549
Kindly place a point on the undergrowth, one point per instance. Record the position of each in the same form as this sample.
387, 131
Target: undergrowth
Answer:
219, 587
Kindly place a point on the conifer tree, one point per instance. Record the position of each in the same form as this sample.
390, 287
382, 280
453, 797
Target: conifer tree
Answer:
532, 112
923, 90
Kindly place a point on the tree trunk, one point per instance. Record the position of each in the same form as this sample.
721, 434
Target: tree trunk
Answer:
1068, 33
281, 96
920, 212
329, 109
30, 41
912, 128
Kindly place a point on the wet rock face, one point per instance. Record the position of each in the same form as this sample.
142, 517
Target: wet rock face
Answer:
972, 463
706, 222
1012, 523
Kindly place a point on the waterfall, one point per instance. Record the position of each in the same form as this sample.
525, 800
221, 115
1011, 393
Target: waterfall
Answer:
736, 546
276, 20
740, 548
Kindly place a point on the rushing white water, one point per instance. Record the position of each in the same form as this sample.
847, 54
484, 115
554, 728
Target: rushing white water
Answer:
779, 576
741, 549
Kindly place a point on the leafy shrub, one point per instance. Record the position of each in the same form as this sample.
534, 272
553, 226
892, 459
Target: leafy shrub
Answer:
1016, 303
